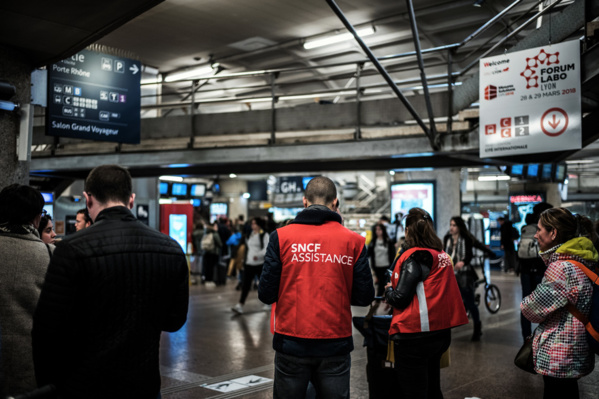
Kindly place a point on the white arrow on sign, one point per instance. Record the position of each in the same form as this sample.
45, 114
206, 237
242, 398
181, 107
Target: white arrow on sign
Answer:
133, 68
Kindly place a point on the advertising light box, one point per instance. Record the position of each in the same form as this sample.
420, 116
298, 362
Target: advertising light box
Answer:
408, 195
530, 101
94, 96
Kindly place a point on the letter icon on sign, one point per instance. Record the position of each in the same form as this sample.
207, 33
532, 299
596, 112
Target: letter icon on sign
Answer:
119, 66
506, 133
506, 122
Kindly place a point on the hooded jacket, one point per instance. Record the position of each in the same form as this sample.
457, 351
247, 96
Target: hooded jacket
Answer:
560, 348
308, 273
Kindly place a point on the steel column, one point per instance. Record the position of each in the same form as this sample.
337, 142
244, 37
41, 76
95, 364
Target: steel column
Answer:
427, 97
383, 73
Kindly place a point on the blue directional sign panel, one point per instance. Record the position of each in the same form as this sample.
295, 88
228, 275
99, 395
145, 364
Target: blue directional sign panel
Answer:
94, 96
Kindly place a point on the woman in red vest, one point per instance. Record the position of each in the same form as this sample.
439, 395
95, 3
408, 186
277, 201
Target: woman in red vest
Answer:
426, 304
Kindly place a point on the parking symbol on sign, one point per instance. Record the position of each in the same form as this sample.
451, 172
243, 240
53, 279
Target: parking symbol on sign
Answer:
119, 66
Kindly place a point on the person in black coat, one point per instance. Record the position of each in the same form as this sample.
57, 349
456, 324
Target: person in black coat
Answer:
110, 291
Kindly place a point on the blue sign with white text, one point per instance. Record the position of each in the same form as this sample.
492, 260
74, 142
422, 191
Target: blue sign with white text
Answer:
94, 96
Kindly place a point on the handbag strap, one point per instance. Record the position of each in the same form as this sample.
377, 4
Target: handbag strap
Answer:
574, 311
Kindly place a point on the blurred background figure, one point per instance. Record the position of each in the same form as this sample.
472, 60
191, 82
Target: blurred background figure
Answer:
381, 251
256, 245
509, 234
46, 229
458, 244
24, 259
211, 247
82, 220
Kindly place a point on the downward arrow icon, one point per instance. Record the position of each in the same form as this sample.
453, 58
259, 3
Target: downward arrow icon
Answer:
555, 122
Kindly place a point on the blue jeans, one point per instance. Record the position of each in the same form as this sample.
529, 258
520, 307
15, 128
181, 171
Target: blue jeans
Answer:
329, 375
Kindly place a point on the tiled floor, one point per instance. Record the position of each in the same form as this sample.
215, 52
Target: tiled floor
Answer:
217, 346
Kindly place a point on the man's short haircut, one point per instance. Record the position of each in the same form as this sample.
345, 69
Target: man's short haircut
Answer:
85, 213
109, 183
321, 190
20, 204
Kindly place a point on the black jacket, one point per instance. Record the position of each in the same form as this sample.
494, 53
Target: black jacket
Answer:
268, 290
109, 291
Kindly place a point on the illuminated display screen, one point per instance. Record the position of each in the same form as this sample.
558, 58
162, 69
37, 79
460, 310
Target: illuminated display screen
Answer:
179, 189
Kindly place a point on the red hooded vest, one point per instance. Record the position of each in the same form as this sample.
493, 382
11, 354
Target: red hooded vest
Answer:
316, 280
437, 304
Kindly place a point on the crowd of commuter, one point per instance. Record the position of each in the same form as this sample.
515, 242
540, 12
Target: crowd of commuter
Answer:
90, 307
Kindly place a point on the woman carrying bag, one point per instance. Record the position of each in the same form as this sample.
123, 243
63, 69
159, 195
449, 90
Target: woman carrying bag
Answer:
426, 305
381, 251
560, 350
458, 244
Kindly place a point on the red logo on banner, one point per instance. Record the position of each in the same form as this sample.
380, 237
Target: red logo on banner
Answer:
490, 92
530, 73
490, 129
554, 122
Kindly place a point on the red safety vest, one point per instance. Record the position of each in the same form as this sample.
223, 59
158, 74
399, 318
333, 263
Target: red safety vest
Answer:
316, 280
437, 304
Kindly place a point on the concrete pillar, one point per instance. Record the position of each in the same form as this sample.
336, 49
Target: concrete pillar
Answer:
447, 193
17, 71
231, 192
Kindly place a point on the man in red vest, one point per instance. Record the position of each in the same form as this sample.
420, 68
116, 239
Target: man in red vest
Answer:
314, 271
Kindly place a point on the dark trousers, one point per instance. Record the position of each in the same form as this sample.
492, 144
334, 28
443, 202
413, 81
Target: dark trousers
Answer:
470, 304
560, 388
417, 365
249, 272
529, 282
210, 261
329, 375
381, 276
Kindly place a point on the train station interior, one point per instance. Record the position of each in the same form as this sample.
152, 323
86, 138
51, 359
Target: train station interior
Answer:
236, 105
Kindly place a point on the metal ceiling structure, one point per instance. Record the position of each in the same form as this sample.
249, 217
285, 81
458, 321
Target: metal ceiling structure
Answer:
259, 48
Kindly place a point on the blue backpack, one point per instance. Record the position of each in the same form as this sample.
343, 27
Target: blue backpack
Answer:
591, 323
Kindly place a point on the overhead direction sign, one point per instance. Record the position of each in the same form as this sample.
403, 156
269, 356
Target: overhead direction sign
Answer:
530, 101
94, 96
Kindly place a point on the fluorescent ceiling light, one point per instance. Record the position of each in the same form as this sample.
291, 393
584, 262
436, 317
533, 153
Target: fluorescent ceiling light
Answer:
195, 72
152, 80
171, 178
246, 195
325, 41
575, 161
232, 175
493, 178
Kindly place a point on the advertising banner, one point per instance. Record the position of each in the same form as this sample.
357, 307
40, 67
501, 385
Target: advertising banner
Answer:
408, 195
94, 96
530, 101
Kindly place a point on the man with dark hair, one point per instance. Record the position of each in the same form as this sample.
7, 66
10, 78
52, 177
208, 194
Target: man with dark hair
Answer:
314, 271
82, 220
24, 259
109, 292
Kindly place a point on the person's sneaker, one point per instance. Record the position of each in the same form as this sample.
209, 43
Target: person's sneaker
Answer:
238, 308
266, 307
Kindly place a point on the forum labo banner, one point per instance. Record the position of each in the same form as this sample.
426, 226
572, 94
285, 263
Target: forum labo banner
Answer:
530, 101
